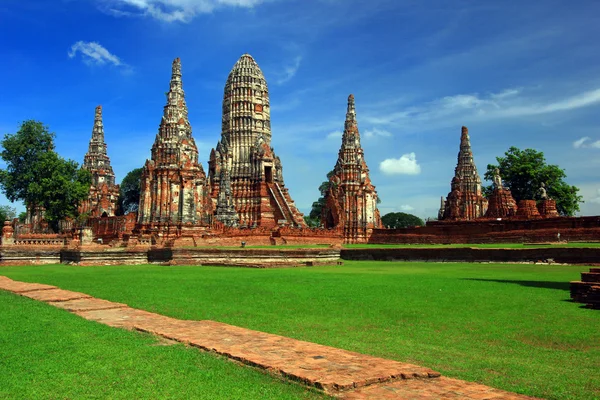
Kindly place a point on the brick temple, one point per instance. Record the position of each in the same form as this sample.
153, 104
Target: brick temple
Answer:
245, 175
243, 198
174, 187
104, 193
465, 201
351, 201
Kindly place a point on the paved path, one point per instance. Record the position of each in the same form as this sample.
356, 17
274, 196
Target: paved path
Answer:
338, 372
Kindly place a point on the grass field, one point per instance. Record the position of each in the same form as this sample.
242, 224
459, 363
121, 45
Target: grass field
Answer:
504, 325
46, 353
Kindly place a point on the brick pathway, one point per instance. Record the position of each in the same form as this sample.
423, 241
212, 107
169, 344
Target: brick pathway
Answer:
338, 372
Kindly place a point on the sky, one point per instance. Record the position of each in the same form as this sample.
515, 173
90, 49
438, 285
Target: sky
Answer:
524, 74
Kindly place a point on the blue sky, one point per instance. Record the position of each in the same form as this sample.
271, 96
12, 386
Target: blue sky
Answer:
516, 73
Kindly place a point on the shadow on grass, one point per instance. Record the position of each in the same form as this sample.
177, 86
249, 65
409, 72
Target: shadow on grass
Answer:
538, 284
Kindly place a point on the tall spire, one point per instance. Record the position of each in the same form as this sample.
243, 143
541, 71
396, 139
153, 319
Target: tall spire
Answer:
96, 157
175, 127
351, 136
173, 188
255, 173
351, 201
466, 170
100, 201
465, 200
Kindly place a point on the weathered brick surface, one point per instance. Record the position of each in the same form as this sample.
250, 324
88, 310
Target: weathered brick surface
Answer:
465, 200
87, 304
345, 374
22, 287
55, 295
567, 255
494, 231
587, 290
424, 389
351, 188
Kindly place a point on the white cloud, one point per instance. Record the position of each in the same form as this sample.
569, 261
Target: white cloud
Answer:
595, 199
509, 103
579, 143
369, 133
289, 71
582, 143
172, 10
406, 208
94, 53
335, 135
405, 165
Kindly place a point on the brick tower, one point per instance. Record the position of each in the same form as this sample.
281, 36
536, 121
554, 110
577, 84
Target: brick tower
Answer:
104, 193
173, 184
245, 174
465, 200
351, 202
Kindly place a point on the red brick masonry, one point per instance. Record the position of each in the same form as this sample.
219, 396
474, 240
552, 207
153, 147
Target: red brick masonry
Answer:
588, 289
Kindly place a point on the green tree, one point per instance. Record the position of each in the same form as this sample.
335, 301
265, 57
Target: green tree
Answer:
22, 216
317, 206
7, 213
401, 220
311, 222
38, 176
524, 171
129, 191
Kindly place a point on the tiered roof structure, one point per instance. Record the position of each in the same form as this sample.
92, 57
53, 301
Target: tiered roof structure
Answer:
465, 200
104, 193
173, 185
246, 176
351, 201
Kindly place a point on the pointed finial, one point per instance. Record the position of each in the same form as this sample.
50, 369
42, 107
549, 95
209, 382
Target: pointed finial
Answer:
98, 112
464, 137
351, 106
177, 66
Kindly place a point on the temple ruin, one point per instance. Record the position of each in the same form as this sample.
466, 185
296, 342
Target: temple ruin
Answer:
351, 201
174, 187
104, 193
245, 175
465, 201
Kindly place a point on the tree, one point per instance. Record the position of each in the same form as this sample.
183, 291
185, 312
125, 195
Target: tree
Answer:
401, 220
21, 152
38, 176
129, 191
317, 206
524, 171
311, 222
7, 213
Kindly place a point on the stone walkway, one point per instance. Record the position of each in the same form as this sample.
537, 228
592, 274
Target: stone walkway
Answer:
341, 373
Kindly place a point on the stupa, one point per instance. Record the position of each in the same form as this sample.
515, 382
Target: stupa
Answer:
351, 201
104, 193
245, 175
465, 201
173, 185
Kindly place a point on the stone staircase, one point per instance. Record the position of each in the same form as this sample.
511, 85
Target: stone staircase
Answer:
282, 204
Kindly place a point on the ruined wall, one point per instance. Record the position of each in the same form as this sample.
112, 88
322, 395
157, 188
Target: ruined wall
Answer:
567, 255
493, 231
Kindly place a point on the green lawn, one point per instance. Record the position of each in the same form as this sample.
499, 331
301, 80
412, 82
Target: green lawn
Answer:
510, 326
46, 353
